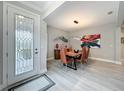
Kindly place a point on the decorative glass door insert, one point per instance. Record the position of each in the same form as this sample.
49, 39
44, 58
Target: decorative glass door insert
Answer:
24, 27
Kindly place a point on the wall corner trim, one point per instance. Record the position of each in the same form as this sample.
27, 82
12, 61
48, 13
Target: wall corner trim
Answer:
106, 60
50, 58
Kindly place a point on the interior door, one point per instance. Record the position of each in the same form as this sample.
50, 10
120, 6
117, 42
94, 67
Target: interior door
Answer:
23, 44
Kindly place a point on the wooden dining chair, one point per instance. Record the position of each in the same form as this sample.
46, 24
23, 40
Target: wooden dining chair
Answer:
63, 57
84, 55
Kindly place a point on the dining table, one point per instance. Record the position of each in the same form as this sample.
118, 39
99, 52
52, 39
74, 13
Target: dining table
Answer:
74, 56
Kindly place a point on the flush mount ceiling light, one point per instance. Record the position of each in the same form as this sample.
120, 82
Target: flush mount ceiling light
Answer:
110, 12
75, 21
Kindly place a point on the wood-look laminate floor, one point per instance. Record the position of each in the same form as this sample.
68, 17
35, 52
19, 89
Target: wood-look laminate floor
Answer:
93, 76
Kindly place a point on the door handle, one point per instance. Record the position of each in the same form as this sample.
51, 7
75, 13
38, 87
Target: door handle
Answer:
36, 51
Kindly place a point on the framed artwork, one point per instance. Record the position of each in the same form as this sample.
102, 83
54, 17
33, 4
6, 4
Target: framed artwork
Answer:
91, 41
122, 40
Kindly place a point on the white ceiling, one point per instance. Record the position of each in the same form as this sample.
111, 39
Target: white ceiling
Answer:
45, 7
88, 14
38, 5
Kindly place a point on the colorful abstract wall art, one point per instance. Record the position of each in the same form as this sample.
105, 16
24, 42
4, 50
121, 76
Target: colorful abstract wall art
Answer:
91, 41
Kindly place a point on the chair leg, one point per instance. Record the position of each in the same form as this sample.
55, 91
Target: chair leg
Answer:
83, 62
86, 60
64, 64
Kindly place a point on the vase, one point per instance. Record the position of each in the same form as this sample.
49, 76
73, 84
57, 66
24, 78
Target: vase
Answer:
85, 53
57, 46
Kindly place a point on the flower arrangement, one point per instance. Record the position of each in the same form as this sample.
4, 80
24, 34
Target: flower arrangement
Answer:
91, 41
62, 38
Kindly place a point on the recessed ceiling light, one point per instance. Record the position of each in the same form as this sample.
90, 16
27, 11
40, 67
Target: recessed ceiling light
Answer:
110, 12
75, 21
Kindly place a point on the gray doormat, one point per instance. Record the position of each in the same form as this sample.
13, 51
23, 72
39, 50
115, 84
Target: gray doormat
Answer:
35, 83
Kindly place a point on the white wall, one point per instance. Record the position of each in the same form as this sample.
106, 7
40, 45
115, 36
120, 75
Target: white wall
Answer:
121, 13
107, 50
1, 40
43, 46
122, 46
52, 34
121, 33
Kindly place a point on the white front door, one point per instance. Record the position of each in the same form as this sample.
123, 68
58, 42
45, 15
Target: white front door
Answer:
23, 44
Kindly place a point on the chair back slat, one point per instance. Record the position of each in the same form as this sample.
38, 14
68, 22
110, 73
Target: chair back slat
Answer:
63, 56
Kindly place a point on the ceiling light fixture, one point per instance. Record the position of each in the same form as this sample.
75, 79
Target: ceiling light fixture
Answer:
75, 21
110, 12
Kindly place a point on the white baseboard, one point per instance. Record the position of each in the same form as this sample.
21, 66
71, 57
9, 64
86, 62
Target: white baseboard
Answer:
50, 58
1, 87
43, 71
105, 60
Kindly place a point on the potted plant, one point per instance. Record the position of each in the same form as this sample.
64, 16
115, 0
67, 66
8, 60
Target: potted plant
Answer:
89, 41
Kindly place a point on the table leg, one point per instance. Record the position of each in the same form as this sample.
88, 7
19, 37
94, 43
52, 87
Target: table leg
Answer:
75, 67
